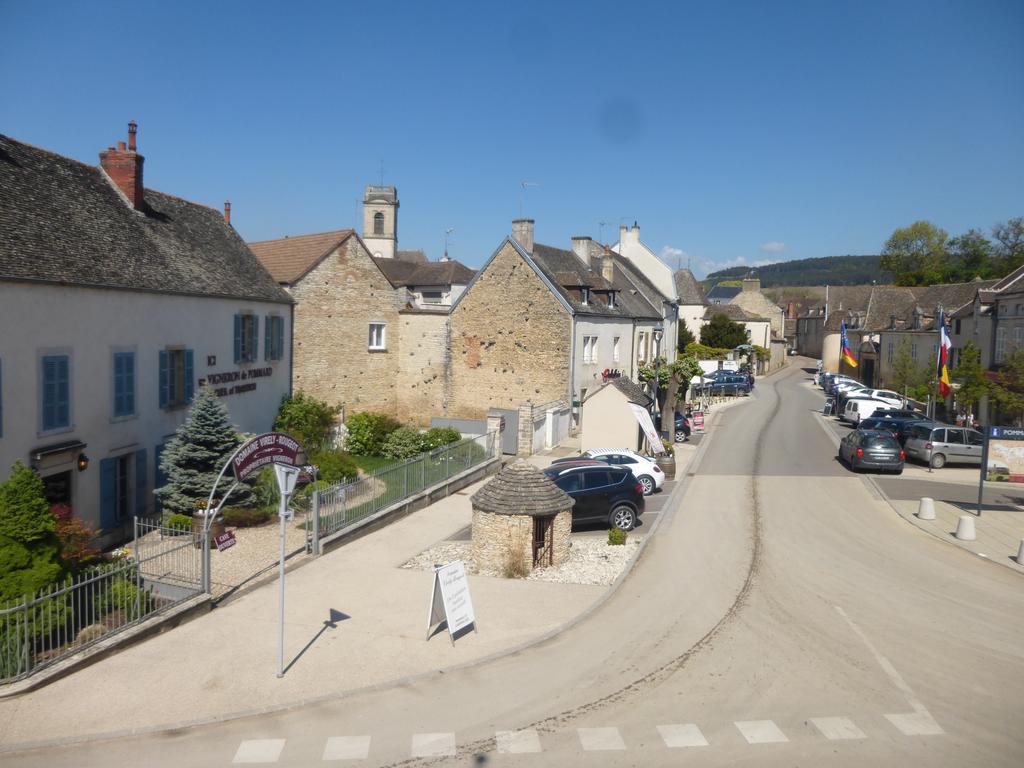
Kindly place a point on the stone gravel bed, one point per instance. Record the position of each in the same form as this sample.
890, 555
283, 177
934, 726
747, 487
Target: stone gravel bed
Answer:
591, 561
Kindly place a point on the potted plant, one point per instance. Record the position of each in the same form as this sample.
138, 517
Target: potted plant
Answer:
199, 518
667, 459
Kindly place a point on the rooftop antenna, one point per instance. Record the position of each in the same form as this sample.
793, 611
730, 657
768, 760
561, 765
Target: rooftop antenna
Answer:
446, 233
523, 185
600, 230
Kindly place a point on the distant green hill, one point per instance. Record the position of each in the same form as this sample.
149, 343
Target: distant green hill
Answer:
827, 270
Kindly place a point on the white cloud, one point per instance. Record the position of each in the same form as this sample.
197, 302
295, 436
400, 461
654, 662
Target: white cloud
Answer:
674, 257
773, 247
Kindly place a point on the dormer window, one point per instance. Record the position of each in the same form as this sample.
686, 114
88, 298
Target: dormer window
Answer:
584, 295
611, 299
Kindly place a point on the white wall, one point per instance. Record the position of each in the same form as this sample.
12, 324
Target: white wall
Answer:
657, 272
88, 324
608, 422
588, 375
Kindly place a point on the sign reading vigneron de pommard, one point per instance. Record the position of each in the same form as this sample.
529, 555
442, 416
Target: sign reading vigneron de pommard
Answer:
262, 450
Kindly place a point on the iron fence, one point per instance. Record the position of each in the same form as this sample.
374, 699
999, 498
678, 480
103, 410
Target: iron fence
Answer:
341, 505
40, 629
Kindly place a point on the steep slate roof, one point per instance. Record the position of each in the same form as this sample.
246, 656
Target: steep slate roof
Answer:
723, 293
565, 269
522, 489
289, 259
416, 255
401, 272
61, 221
633, 391
688, 289
734, 312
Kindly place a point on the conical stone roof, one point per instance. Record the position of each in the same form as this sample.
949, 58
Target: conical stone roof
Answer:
521, 489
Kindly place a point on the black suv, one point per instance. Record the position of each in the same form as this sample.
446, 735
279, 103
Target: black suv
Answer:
602, 493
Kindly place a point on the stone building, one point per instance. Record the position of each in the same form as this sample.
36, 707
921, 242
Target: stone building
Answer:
691, 301
116, 302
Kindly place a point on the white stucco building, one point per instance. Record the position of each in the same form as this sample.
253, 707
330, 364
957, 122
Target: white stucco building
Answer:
658, 274
117, 302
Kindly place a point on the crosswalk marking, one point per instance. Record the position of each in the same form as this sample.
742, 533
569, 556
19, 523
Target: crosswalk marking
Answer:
600, 739
517, 742
347, 748
433, 745
685, 735
919, 723
837, 728
761, 732
259, 751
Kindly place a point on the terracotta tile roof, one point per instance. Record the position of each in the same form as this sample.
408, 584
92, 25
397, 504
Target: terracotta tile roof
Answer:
288, 259
61, 221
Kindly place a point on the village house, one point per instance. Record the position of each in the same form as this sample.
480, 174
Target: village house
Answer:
543, 324
117, 301
691, 301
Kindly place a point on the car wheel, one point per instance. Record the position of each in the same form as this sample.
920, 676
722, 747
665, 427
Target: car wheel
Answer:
938, 461
648, 484
680, 436
623, 517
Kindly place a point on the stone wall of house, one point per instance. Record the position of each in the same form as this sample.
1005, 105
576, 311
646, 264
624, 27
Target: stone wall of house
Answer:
497, 539
336, 302
422, 366
510, 341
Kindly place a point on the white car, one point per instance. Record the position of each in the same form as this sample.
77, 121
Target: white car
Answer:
646, 469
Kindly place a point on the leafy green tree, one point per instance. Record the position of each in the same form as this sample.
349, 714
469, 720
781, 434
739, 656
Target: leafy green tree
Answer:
908, 375
973, 383
29, 550
723, 333
307, 419
197, 452
685, 337
971, 255
702, 352
367, 432
1009, 251
917, 255
1008, 388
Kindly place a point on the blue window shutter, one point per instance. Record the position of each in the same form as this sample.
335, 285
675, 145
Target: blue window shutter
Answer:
238, 338
254, 353
267, 349
189, 384
141, 475
279, 337
129, 395
163, 379
108, 494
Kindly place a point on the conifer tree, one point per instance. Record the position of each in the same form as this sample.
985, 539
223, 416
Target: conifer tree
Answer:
29, 551
196, 453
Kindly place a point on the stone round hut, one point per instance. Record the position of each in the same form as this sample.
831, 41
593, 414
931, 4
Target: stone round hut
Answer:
521, 521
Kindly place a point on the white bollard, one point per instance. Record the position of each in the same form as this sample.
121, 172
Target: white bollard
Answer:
965, 528
1020, 553
926, 509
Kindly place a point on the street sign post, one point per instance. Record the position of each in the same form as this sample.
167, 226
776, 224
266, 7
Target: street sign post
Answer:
1002, 458
286, 477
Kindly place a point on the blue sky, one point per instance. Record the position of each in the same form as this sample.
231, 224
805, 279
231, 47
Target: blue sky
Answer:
733, 132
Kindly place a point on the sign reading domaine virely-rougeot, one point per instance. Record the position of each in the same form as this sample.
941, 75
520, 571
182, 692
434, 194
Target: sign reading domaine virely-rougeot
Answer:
262, 450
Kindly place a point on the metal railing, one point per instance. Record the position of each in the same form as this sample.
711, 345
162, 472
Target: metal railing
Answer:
56, 621
344, 504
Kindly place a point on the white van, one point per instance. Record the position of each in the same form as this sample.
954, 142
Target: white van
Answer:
858, 408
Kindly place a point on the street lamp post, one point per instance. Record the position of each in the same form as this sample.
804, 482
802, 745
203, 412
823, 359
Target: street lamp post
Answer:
658, 330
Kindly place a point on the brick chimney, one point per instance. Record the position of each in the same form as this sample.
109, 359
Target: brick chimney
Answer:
227, 211
123, 167
581, 247
522, 232
607, 266
751, 284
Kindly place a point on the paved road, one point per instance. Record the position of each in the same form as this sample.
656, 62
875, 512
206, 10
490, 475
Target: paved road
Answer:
783, 615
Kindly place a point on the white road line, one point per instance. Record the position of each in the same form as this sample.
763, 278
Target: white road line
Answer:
685, 735
433, 745
517, 742
761, 732
837, 728
916, 723
600, 739
259, 751
347, 748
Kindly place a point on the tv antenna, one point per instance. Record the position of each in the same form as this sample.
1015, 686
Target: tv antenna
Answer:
447, 232
600, 230
523, 185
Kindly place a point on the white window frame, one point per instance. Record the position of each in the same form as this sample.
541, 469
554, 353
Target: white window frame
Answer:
611, 299
589, 349
892, 344
615, 349
913, 350
378, 337
584, 296
248, 347
1018, 336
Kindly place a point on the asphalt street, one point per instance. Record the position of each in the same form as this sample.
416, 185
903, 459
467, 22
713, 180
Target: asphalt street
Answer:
781, 615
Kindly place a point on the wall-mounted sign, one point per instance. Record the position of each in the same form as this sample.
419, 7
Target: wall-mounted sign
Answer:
262, 450
220, 381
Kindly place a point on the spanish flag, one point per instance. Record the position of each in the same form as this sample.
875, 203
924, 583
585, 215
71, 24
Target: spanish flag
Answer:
845, 352
942, 365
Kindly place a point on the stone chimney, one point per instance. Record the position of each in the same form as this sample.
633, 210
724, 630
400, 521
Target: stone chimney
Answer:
751, 284
522, 232
123, 167
790, 313
607, 266
227, 211
581, 247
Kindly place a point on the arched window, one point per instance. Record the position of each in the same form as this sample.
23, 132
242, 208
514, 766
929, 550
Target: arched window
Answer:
378, 223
